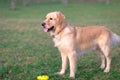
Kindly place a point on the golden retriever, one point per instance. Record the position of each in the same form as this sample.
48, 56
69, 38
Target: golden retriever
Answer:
71, 41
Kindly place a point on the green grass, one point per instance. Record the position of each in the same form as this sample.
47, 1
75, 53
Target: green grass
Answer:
26, 51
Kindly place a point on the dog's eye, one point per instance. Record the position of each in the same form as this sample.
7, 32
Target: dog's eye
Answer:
51, 18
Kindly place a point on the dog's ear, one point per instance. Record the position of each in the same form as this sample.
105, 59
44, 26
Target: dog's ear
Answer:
61, 17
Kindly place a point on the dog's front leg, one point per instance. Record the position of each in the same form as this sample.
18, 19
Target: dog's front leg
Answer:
73, 62
64, 63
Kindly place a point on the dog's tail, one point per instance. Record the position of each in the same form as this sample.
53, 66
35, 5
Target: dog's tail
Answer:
115, 39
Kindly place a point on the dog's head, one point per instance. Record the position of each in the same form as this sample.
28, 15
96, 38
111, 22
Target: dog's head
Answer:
53, 21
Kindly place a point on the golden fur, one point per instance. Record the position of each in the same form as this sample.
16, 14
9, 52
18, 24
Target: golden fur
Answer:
72, 41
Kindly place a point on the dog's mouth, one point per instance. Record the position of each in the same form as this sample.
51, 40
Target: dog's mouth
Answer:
48, 29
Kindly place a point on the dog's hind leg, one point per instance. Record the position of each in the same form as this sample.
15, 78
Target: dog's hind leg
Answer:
102, 56
102, 61
106, 52
108, 62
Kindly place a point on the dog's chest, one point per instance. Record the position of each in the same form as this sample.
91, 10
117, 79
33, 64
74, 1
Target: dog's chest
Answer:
60, 42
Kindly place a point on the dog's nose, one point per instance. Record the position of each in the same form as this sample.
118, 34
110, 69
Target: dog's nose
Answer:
43, 24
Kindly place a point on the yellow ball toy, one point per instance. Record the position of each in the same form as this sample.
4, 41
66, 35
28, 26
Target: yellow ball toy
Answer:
44, 77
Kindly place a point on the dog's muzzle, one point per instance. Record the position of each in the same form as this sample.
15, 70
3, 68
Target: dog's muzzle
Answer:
45, 28
43, 24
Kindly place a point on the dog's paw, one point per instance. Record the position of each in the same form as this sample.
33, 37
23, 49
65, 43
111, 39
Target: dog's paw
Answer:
59, 73
102, 66
106, 70
72, 77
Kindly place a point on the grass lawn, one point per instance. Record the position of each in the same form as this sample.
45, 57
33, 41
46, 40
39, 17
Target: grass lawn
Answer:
26, 51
